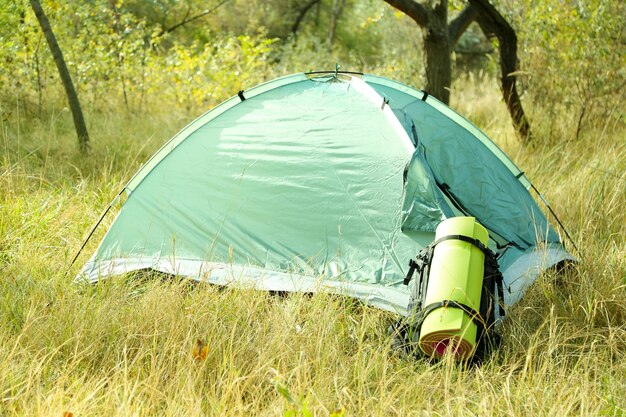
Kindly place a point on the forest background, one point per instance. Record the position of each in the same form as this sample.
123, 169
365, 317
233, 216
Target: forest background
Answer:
144, 69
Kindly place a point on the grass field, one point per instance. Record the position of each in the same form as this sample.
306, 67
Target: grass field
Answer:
124, 348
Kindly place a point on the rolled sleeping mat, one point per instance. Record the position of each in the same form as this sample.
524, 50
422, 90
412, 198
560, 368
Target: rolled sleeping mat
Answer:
456, 275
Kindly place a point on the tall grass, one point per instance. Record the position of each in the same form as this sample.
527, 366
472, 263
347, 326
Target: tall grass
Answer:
124, 347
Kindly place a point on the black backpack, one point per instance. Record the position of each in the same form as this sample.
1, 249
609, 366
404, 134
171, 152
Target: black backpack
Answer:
406, 332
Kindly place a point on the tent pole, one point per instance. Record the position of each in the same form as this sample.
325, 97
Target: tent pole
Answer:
93, 229
557, 219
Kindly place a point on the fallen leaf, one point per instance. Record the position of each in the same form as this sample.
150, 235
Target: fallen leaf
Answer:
200, 350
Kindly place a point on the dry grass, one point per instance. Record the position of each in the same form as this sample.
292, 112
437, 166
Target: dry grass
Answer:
124, 347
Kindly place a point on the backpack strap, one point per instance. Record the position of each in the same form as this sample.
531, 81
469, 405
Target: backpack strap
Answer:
488, 252
412, 267
425, 256
474, 315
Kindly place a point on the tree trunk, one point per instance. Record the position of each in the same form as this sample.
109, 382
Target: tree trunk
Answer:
434, 22
494, 25
66, 79
438, 67
440, 37
437, 51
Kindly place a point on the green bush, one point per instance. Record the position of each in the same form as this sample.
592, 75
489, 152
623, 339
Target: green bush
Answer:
573, 53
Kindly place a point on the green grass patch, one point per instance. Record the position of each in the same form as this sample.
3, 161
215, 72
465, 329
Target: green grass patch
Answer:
124, 347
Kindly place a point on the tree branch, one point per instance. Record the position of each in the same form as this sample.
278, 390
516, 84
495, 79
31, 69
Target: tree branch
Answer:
460, 23
303, 12
413, 9
192, 18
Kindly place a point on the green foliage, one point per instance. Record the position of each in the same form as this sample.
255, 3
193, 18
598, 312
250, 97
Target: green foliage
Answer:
574, 55
121, 56
116, 57
21, 71
372, 37
196, 79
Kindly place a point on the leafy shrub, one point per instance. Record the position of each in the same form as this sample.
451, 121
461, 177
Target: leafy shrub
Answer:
574, 54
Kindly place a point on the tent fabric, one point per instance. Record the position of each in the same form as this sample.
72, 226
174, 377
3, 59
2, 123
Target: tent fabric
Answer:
332, 182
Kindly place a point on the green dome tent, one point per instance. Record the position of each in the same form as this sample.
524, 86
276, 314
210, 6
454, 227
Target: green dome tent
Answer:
323, 181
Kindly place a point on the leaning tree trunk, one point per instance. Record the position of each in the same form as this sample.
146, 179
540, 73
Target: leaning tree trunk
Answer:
494, 25
66, 79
